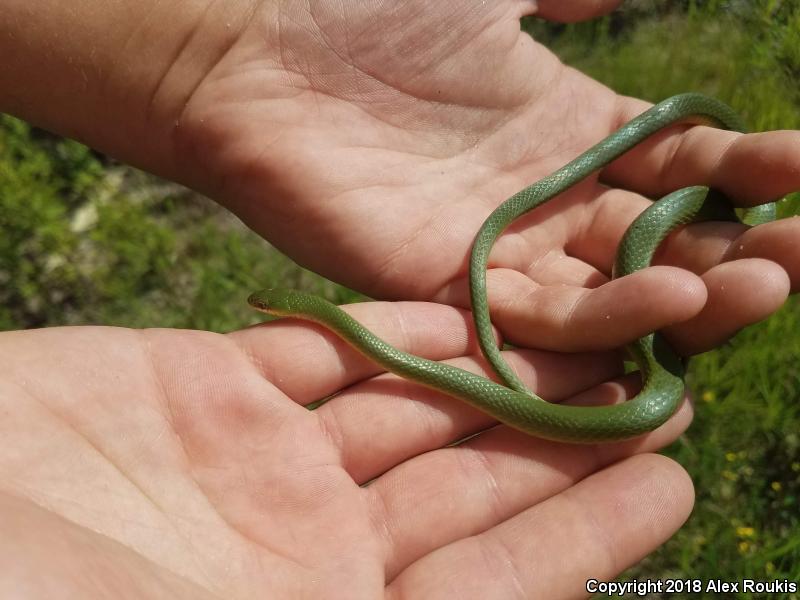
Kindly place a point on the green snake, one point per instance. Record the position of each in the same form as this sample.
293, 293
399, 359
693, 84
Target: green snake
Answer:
662, 370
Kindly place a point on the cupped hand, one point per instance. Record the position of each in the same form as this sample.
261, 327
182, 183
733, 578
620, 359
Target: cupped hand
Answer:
369, 141
167, 463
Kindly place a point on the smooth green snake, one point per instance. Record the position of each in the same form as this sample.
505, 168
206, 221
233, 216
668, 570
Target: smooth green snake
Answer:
661, 368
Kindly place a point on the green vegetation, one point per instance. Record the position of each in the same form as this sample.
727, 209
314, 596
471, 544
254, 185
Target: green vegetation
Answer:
88, 241
91, 242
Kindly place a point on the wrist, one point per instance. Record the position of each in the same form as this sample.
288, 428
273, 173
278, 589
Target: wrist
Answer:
114, 75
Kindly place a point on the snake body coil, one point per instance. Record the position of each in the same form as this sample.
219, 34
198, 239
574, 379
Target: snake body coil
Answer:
513, 404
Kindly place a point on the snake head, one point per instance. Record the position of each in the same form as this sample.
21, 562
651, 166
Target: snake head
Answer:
277, 301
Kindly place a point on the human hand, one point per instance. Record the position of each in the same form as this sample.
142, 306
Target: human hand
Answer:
167, 463
369, 141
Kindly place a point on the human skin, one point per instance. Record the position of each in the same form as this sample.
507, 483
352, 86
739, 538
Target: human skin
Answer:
183, 464
369, 141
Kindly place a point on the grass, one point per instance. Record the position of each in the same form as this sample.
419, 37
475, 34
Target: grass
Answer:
88, 241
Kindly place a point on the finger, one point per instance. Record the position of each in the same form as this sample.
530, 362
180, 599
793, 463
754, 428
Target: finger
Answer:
697, 247
751, 169
573, 319
740, 293
384, 421
494, 476
308, 362
595, 529
776, 242
701, 246
559, 269
574, 10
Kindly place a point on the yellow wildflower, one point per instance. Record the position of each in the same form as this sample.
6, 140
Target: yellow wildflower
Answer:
744, 547
745, 532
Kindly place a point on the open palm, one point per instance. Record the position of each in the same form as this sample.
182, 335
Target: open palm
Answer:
370, 140
166, 463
